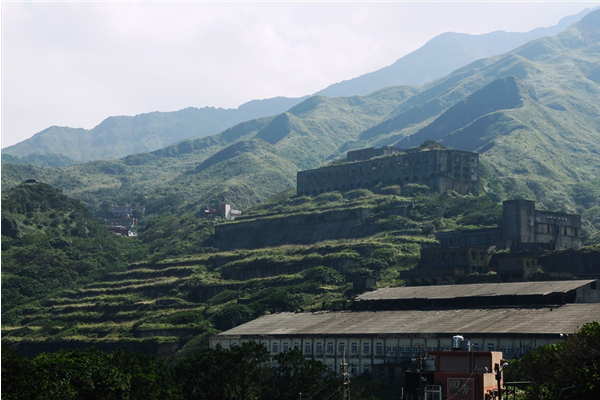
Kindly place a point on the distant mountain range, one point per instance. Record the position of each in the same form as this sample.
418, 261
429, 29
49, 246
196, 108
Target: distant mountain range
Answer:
533, 114
117, 137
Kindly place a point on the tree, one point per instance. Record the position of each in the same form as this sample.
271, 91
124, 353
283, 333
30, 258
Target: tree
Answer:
295, 374
568, 369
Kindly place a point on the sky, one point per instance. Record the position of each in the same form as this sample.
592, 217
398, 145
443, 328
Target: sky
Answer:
76, 63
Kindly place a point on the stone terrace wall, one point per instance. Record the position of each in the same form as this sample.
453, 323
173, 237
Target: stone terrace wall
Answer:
295, 229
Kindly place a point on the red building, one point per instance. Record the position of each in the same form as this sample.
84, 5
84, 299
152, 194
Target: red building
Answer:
466, 375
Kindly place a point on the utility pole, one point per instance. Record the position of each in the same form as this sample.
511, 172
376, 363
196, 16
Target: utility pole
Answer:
345, 377
498, 369
421, 396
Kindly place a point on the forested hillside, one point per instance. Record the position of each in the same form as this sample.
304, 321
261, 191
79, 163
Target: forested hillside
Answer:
532, 114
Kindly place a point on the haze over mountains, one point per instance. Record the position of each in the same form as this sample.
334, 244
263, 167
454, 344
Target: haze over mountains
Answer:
532, 114
120, 136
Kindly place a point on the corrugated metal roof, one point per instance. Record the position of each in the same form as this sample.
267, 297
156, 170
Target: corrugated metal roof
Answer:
474, 290
546, 320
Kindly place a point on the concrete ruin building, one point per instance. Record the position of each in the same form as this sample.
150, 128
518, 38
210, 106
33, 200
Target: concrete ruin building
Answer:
439, 169
524, 231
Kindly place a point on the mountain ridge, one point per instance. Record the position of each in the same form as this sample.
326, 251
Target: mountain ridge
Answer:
119, 136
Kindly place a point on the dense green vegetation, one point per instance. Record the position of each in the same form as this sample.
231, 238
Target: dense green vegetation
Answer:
51, 242
566, 370
242, 372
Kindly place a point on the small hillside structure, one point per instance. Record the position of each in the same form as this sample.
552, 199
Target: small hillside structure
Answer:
122, 220
222, 211
440, 170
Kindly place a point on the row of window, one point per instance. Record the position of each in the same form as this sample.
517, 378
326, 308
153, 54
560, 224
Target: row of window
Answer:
422, 172
391, 164
354, 346
556, 230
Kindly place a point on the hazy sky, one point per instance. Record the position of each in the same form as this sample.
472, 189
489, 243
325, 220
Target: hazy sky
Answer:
74, 64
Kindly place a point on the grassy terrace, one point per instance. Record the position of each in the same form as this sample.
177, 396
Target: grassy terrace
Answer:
180, 299
160, 301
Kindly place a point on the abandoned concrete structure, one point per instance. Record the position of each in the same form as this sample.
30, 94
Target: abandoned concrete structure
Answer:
440, 170
410, 322
465, 253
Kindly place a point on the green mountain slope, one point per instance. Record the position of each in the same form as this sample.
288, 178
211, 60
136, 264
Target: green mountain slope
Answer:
200, 171
50, 242
117, 137
532, 114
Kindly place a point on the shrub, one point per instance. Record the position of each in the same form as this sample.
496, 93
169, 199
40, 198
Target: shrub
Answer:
395, 190
328, 197
233, 311
358, 194
326, 275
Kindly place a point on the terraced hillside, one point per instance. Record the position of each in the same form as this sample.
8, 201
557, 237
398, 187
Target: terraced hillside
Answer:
161, 307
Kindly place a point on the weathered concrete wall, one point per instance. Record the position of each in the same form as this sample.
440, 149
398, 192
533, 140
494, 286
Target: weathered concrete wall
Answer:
441, 170
263, 270
297, 229
527, 227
